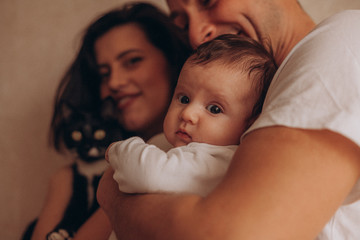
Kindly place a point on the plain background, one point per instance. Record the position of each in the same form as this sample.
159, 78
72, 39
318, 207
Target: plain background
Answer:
38, 40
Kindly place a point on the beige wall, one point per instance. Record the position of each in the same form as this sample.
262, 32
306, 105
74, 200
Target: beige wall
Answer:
38, 40
320, 9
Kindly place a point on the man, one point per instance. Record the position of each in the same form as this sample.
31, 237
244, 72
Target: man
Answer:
297, 164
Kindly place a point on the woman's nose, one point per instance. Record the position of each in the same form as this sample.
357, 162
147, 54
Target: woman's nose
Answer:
117, 81
190, 114
200, 30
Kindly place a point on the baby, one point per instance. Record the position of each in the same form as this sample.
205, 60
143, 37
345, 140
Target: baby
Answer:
220, 93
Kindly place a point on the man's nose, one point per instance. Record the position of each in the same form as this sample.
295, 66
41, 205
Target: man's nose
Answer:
200, 29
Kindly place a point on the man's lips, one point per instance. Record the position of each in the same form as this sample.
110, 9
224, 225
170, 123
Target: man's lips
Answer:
126, 100
184, 136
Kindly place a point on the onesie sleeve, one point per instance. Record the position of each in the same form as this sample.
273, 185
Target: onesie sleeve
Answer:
143, 168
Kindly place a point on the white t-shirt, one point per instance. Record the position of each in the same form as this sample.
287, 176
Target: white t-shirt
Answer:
318, 87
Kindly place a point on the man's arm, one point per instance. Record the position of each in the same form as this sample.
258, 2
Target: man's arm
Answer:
97, 226
282, 184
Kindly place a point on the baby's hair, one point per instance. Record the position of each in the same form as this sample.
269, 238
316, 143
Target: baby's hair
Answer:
241, 54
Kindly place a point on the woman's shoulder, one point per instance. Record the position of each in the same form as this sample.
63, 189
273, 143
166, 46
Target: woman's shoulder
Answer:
62, 175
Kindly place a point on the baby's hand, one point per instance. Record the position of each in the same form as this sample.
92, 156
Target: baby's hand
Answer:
107, 152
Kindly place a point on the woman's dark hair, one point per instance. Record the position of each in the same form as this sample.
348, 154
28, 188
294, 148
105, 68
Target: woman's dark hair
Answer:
242, 54
80, 86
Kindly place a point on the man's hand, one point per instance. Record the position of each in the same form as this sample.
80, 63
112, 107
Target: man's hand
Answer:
108, 192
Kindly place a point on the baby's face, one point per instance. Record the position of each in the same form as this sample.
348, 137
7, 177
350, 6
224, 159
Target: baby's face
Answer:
211, 104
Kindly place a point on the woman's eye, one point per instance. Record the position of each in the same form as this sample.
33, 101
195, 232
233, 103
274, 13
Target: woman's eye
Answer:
132, 61
183, 99
104, 76
104, 73
214, 109
205, 3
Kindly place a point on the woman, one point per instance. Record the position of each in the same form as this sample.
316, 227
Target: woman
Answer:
133, 56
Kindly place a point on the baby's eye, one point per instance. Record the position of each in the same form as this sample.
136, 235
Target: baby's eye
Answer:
76, 136
214, 109
183, 99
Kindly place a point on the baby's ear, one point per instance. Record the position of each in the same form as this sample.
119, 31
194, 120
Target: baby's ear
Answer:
108, 109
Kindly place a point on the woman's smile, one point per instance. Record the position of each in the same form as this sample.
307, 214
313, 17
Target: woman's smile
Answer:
127, 100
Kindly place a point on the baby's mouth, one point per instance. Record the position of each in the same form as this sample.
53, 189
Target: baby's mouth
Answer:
184, 136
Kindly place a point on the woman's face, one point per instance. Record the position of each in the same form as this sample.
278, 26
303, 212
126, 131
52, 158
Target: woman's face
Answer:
136, 75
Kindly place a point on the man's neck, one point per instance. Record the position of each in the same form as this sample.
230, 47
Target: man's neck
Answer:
297, 28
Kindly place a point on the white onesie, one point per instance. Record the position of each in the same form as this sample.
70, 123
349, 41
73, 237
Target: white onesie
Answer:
142, 168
